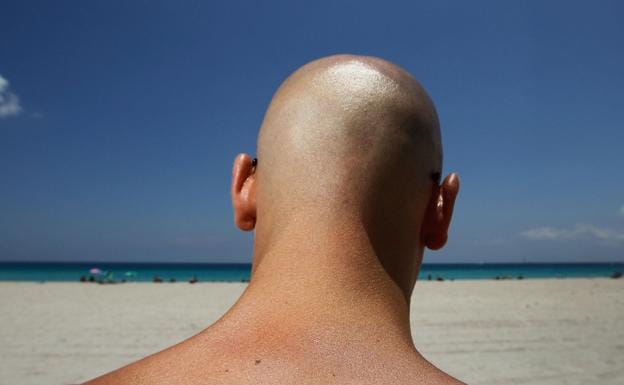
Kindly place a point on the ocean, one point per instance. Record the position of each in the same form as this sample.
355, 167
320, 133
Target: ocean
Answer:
147, 272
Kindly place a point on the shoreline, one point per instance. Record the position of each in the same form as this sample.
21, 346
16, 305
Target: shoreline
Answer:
165, 272
245, 281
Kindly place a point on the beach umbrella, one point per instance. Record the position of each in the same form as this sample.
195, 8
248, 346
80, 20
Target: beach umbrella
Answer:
95, 270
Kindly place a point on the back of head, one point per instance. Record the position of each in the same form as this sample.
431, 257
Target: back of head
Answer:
347, 136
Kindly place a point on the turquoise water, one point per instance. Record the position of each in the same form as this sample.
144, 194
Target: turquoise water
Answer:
145, 272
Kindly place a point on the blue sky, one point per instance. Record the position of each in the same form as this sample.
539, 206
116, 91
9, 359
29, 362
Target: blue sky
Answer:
119, 120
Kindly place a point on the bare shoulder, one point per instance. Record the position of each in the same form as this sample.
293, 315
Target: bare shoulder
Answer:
238, 362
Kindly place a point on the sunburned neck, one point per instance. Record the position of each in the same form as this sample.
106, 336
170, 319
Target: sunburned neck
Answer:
315, 285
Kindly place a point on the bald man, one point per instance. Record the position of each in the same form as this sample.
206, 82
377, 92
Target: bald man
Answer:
344, 198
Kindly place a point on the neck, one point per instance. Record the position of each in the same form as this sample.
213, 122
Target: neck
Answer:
326, 278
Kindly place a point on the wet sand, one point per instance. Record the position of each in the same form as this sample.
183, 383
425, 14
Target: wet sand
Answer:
568, 331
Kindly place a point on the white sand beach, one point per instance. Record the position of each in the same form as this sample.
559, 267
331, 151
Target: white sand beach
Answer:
567, 331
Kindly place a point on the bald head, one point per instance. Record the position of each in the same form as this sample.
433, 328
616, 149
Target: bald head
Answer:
346, 132
349, 152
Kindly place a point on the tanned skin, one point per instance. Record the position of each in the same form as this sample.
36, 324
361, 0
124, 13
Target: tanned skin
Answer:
344, 199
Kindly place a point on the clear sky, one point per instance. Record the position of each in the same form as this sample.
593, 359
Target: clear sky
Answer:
119, 120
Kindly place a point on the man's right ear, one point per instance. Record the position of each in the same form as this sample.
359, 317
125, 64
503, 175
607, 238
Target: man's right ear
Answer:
243, 192
439, 213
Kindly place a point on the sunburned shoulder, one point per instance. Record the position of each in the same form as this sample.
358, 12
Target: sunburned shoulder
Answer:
244, 376
195, 364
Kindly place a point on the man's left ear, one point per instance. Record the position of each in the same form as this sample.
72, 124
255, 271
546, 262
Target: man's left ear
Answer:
439, 213
244, 192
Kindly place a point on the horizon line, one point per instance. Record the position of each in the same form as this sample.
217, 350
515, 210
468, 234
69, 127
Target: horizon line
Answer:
249, 263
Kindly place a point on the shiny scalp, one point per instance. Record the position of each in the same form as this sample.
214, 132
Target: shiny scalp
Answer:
344, 131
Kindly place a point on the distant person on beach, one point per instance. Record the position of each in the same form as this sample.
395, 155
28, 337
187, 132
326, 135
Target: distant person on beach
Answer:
344, 197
